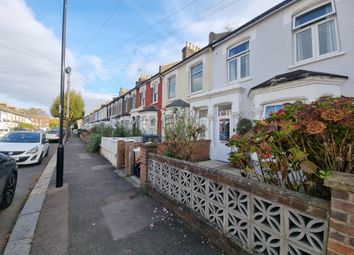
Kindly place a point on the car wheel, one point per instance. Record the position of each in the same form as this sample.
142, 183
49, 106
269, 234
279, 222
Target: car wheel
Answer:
9, 191
40, 159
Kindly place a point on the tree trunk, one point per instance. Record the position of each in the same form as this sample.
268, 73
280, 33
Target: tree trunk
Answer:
67, 131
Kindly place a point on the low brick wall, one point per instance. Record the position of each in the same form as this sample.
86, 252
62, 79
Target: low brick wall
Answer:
341, 232
253, 215
120, 154
200, 152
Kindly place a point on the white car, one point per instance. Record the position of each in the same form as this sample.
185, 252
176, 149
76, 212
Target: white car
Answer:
52, 135
25, 147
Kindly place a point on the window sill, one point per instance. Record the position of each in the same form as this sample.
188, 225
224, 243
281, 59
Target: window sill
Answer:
230, 83
314, 60
196, 92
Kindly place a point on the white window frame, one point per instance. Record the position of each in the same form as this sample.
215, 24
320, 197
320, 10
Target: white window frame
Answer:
142, 97
314, 20
238, 59
168, 86
313, 25
190, 77
272, 104
133, 95
155, 92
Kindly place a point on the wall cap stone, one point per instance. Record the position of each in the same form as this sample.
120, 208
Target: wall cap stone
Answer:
340, 181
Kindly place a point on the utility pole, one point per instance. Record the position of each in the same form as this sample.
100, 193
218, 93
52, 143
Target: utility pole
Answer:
60, 152
67, 131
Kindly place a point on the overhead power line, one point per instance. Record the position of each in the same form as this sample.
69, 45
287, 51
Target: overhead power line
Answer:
93, 38
214, 9
25, 48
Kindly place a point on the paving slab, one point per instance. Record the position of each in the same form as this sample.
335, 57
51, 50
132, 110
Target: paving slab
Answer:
106, 214
22, 234
115, 213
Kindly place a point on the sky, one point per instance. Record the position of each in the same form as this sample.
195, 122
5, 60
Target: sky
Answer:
109, 43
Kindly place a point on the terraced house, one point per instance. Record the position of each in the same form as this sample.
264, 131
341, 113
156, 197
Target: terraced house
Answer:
299, 50
296, 51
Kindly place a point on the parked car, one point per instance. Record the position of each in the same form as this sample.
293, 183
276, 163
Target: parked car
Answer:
8, 180
3, 131
25, 147
53, 135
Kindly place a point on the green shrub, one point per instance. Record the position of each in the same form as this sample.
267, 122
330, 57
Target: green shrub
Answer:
121, 131
94, 142
182, 129
243, 126
102, 129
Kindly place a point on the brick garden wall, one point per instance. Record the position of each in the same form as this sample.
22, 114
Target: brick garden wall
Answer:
200, 152
341, 231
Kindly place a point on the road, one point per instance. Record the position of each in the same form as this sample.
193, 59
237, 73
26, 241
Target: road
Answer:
27, 177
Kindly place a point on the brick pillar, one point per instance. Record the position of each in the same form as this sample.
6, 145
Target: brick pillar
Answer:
127, 156
341, 230
145, 150
120, 154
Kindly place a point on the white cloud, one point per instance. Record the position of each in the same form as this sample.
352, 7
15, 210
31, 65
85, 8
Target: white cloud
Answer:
30, 61
192, 24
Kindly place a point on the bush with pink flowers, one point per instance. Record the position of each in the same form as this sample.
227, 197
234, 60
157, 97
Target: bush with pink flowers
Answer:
299, 146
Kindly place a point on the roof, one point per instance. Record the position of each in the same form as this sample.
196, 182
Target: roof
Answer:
293, 76
234, 32
178, 103
256, 19
150, 109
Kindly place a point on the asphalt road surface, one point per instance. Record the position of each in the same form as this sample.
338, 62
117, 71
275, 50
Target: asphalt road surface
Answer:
27, 178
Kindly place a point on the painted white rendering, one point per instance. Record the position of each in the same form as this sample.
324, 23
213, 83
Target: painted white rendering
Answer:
271, 47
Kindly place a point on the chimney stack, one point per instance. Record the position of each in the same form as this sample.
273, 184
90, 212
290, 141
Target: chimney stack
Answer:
189, 49
216, 36
122, 91
143, 77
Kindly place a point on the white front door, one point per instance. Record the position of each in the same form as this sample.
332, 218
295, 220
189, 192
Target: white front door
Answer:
223, 131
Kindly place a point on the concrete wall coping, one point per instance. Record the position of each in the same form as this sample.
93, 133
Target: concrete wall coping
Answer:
341, 181
274, 193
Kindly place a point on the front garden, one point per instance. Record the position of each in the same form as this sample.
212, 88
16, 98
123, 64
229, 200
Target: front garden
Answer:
299, 146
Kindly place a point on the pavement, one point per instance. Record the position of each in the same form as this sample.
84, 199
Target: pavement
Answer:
27, 178
98, 212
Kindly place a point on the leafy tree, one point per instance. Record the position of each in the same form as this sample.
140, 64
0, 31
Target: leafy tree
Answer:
76, 109
54, 123
23, 125
76, 106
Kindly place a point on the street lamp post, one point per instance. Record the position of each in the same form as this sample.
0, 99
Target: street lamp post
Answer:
67, 130
60, 152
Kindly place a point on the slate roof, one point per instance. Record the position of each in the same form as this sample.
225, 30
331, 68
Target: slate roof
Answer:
293, 76
150, 109
178, 103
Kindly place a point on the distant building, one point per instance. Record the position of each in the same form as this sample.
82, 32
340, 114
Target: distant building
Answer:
10, 117
40, 120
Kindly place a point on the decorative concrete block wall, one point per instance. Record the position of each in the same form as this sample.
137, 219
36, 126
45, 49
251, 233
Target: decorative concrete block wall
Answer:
260, 217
